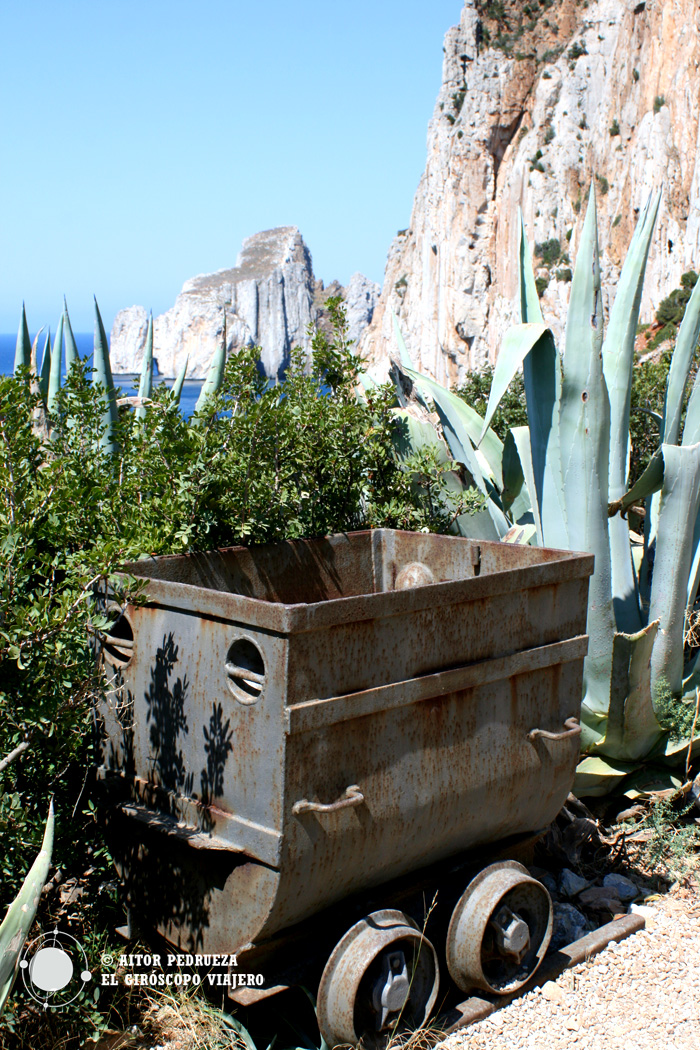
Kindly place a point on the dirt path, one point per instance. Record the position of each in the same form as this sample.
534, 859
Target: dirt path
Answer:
641, 994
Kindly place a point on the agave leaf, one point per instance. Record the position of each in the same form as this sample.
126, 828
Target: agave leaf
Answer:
515, 494
453, 420
694, 573
146, 383
530, 311
678, 510
72, 354
618, 346
521, 440
649, 483
45, 373
645, 783
20, 914
618, 362
596, 776
56, 360
585, 440
415, 434
23, 348
215, 374
462, 420
687, 340
517, 344
180, 381
102, 373
406, 362
632, 729
542, 381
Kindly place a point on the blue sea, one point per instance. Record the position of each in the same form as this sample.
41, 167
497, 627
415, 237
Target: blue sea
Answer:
128, 383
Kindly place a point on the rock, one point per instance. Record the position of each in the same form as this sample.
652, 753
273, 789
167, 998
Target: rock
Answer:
625, 889
553, 993
361, 297
570, 884
604, 92
598, 893
569, 925
270, 297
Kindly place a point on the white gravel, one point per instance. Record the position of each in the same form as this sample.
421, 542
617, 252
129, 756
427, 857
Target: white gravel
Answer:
640, 994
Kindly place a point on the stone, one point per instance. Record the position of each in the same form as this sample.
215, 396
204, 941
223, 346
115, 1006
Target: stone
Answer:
570, 883
569, 925
509, 130
269, 298
553, 993
625, 889
599, 893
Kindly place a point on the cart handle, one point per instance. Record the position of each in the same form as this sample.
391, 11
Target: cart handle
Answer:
352, 796
573, 728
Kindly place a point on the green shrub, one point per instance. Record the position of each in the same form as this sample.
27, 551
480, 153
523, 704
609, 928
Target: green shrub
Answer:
603, 184
541, 284
548, 251
635, 75
549, 133
614, 128
659, 101
510, 413
576, 51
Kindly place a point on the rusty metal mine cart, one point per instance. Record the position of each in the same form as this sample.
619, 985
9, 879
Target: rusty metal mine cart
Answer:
303, 742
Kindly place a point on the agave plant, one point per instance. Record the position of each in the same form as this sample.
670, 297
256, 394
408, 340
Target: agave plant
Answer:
566, 476
20, 914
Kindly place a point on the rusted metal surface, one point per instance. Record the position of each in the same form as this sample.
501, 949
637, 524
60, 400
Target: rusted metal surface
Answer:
500, 930
382, 969
327, 721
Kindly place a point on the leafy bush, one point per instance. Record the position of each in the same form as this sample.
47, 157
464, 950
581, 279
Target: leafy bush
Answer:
548, 251
614, 128
659, 101
511, 412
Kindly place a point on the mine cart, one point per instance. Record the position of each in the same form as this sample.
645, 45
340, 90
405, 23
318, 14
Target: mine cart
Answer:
302, 742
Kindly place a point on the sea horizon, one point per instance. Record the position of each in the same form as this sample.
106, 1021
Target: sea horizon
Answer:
126, 381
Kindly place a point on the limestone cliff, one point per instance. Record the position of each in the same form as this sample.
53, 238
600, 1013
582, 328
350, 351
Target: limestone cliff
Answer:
537, 100
270, 297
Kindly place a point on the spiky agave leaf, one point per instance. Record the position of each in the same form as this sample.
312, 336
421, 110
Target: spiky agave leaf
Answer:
146, 383
55, 374
678, 510
542, 382
23, 348
618, 363
45, 373
411, 436
72, 354
584, 435
102, 374
20, 914
632, 729
180, 381
455, 420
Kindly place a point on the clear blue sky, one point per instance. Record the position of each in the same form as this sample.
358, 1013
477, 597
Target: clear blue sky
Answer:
142, 141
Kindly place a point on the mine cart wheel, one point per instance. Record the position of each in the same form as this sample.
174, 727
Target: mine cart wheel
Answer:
500, 930
382, 974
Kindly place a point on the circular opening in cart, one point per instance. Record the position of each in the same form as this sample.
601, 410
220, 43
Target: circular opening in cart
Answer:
245, 669
117, 641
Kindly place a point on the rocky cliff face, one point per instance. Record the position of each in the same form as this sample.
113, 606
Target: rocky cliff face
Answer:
537, 100
269, 298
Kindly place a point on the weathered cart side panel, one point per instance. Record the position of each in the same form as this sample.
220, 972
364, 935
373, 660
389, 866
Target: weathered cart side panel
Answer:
292, 724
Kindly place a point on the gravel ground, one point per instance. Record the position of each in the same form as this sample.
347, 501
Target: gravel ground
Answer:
640, 994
